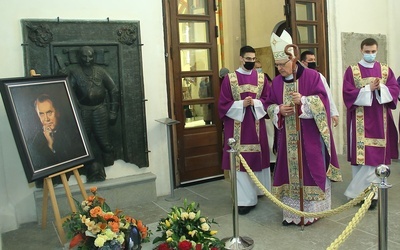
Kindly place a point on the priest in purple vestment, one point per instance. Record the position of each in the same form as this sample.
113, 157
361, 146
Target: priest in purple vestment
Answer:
242, 110
305, 98
370, 92
398, 82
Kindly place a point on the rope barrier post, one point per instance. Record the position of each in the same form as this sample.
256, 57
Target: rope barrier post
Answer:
235, 242
383, 171
169, 122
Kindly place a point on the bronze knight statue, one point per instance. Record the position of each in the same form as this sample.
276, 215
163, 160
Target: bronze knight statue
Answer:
97, 95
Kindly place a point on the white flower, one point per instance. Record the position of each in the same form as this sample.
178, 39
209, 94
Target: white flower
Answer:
192, 233
83, 218
109, 234
205, 227
202, 219
92, 226
169, 233
184, 215
100, 240
192, 215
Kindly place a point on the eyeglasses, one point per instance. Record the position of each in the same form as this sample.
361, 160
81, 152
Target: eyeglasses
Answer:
281, 64
247, 59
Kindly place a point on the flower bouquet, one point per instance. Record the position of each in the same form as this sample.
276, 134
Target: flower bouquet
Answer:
94, 226
186, 229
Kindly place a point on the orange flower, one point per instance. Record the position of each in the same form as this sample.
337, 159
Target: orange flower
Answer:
93, 190
143, 234
94, 212
114, 226
102, 226
91, 198
116, 218
130, 220
108, 216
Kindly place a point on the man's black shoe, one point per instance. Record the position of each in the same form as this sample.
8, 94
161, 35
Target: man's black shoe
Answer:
373, 205
242, 210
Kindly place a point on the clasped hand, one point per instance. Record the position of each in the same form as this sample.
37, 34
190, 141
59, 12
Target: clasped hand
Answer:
375, 84
248, 101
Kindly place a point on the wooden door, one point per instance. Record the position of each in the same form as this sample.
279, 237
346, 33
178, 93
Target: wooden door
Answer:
194, 88
307, 22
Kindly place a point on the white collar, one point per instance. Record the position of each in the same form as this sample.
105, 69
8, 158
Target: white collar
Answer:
243, 71
367, 64
289, 77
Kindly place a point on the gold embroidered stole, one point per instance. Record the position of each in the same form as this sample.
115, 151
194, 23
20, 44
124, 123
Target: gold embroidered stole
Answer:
293, 189
236, 91
361, 139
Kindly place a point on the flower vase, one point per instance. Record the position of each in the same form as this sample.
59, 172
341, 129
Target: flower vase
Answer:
133, 239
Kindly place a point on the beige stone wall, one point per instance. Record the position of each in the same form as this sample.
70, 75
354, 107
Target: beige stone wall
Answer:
261, 18
267, 60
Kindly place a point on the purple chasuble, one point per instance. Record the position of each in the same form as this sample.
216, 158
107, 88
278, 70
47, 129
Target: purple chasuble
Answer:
317, 165
373, 124
248, 127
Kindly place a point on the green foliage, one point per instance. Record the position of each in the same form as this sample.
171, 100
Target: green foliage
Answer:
186, 223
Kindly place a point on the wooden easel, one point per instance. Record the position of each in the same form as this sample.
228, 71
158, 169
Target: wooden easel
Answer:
48, 188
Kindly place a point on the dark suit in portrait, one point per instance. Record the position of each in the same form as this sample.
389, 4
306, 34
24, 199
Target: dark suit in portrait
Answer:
67, 146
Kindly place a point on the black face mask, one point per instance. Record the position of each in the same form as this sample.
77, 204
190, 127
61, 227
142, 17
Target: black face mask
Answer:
312, 65
249, 65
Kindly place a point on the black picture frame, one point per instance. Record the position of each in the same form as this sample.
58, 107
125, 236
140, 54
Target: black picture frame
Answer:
59, 121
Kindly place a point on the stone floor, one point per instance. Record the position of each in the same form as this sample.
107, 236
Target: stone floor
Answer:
263, 224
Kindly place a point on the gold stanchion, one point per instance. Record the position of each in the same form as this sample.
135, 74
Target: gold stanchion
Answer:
235, 242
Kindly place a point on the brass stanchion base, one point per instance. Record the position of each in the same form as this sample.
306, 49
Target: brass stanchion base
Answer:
238, 243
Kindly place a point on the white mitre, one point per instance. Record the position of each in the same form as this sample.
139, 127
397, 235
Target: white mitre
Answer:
278, 45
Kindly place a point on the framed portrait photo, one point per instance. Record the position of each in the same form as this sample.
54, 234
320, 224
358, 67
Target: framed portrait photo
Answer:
46, 124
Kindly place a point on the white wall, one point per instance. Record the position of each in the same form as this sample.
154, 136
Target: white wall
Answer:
261, 18
394, 35
16, 195
232, 36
